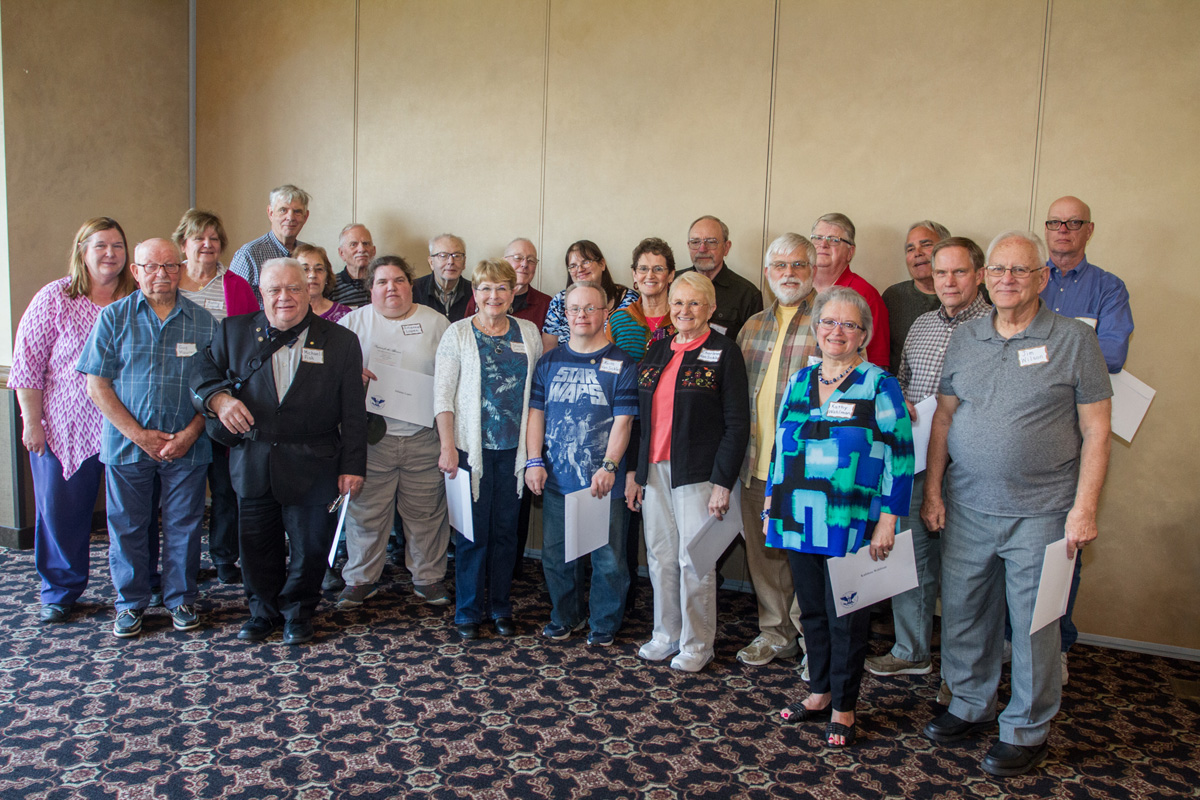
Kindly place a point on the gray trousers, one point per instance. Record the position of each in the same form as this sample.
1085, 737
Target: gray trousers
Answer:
986, 561
913, 610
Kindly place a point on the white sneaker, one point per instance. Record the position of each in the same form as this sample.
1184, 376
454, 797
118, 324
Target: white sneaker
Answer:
691, 662
657, 650
804, 676
761, 651
1066, 674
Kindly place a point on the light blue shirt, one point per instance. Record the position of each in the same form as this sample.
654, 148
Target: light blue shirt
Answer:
1100, 299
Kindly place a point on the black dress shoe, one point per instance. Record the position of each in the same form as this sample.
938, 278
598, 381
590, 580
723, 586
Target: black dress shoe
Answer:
53, 613
1006, 760
156, 598
467, 630
298, 631
948, 728
229, 573
505, 626
257, 629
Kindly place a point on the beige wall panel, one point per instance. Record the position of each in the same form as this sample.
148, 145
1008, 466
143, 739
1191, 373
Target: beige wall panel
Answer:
1120, 132
274, 105
658, 113
96, 123
450, 123
894, 112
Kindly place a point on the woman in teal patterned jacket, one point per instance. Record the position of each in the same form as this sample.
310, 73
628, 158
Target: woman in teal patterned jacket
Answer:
841, 476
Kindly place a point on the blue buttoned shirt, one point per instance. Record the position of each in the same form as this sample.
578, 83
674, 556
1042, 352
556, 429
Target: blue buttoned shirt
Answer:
1100, 299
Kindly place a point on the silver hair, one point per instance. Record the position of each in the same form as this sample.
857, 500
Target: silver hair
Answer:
696, 282
786, 244
937, 227
844, 294
275, 263
1028, 237
838, 220
289, 194
348, 228
459, 239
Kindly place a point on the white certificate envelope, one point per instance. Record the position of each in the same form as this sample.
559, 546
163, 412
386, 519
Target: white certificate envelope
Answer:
337, 533
715, 535
1130, 402
397, 392
922, 424
458, 503
1054, 589
587, 520
858, 582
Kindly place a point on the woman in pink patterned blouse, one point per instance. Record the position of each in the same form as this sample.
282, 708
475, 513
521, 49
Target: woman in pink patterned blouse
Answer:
61, 426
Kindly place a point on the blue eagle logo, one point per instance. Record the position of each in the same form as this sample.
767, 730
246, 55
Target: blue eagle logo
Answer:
850, 599
377, 402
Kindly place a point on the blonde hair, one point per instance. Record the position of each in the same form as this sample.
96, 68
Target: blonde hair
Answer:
80, 283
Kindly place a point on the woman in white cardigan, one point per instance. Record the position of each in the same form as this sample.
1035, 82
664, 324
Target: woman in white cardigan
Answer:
482, 376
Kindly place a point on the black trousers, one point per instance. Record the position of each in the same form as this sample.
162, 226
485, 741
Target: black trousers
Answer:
223, 526
282, 575
837, 646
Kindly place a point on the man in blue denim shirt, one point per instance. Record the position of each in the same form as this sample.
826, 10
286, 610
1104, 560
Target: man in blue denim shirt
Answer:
137, 362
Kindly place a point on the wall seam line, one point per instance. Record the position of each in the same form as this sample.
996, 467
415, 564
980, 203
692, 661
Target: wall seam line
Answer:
770, 133
541, 226
1041, 113
354, 127
191, 103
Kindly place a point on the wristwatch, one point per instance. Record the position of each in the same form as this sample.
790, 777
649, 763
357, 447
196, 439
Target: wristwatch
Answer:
609, 465
766, 512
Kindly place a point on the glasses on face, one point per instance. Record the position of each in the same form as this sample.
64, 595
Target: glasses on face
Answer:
832, 241
642, 269
573, 268
692, 305
779, 266
315, 270
1072, 224
170, 269
1019, 272
828, 324
709, 243
575, 311
529, 261
456, 256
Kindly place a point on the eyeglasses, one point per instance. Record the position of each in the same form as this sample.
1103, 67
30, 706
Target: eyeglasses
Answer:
450, 256
828, 324
587, 262
575, 311
170, 269
709, 243
319, 269
530, 261
832, 241
1018, 272
642, 269
1072, 224
796, 265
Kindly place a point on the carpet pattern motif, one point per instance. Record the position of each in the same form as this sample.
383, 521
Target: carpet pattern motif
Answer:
386, 703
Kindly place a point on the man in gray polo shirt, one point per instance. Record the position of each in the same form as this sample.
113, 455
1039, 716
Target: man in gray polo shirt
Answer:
1023, 422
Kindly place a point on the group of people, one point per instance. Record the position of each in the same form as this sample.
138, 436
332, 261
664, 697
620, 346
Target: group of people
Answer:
289, 389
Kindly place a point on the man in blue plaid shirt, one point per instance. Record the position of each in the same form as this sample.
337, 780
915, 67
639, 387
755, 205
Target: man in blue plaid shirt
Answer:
287, 208
137, 361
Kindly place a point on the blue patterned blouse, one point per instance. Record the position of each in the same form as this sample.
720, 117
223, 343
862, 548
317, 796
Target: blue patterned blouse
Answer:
505, 369
837, 467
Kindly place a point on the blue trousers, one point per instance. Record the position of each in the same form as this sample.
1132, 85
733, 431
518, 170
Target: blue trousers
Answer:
63, 525
483, 569
566, 582
130, 509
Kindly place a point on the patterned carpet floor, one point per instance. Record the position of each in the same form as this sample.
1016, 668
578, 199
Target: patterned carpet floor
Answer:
386, 703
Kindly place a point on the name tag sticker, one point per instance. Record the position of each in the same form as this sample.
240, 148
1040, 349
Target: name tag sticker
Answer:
185, 349
1088, 321
709, 356
721, 329
411, 329
610, 365
841, 411
1033, 355
312, 355
518, 347
814, 360
216, 305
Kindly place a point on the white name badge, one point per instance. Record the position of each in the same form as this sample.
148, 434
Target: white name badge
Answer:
215, 305
1033, 355
411, 329
814, 360
841, 411
312, 355
721, 329
1088, 321
709, 356
185, 349
610, 365
518, 347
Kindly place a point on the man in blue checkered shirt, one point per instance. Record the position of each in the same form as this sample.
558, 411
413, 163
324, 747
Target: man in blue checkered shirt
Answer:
287, 208
137, 361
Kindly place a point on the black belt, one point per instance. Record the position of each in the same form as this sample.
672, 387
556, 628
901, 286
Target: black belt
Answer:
257, 435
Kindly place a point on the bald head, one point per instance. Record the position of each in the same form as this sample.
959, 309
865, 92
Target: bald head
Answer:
156, 266
1067, 247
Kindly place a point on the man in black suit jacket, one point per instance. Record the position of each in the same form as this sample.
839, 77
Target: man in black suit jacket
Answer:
301, 410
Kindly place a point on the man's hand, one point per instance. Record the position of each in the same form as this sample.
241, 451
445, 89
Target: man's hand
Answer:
153, 442
933, 510
634, 494
179, 445
350, 484
602, 482
1081, 529
369, 376
535, 479
718, 501
232, 412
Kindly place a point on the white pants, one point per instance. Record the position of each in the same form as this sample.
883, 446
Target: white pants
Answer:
685, 604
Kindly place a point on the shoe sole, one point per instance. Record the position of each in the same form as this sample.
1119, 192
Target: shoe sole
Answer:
692, 670
925, 670
663, 657
437, 601
190, 626
1012, 772
128, 633
344, 603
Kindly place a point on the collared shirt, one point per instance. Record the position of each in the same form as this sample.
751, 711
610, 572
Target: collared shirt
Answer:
758, 343
737, 301
920, 369
879, 349
905, 302
249, 258
285, 362
349, 291
1098, 298
148, 362
452, 305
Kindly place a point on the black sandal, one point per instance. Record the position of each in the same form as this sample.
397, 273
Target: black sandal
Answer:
838, 729
798, 712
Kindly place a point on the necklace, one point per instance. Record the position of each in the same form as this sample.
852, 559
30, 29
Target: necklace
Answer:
836, 378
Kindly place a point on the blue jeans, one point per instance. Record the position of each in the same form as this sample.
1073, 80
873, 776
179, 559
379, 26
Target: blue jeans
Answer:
566, 582
63, 527
130, 509
483, 569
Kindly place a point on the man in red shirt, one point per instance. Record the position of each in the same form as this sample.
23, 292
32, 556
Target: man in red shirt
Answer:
833, 235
